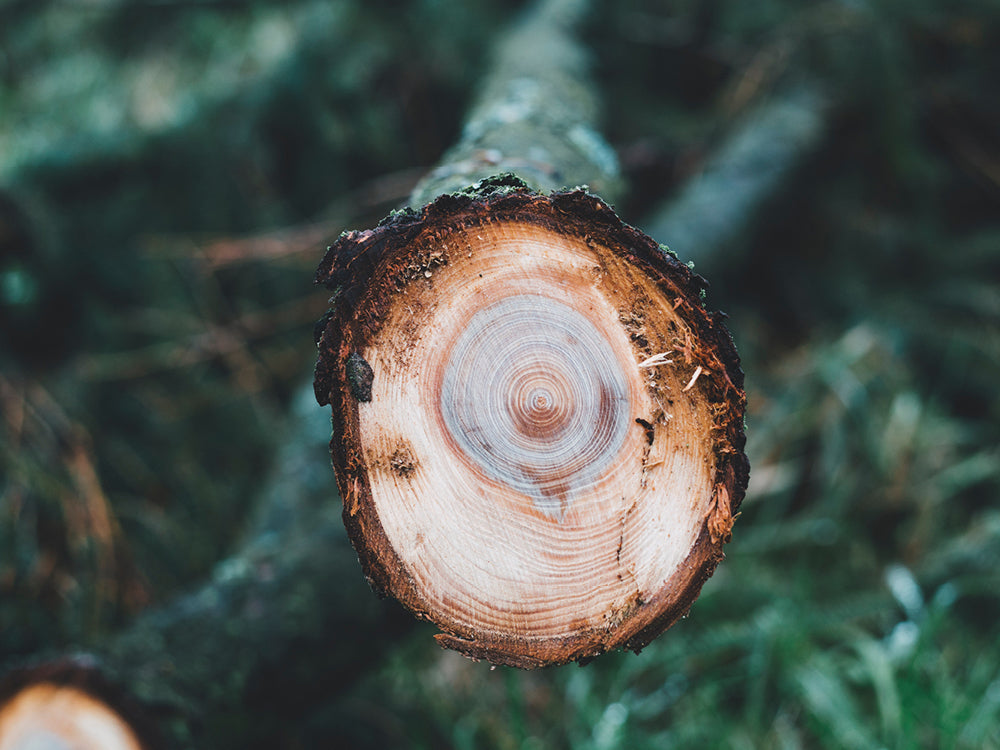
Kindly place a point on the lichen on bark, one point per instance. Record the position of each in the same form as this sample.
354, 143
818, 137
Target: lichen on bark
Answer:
536, 114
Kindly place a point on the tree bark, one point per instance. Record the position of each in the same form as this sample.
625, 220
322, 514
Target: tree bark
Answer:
536, 115
537, 427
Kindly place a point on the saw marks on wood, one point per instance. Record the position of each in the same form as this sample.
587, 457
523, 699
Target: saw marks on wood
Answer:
541, 447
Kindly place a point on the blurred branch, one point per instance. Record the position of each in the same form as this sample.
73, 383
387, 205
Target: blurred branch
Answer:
273, 632
704, 221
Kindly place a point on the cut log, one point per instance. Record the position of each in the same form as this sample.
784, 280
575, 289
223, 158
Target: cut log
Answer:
56, 717
61, 707
538, 428
581, 475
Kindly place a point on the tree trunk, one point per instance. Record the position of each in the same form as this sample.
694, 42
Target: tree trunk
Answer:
536, 115
538, 428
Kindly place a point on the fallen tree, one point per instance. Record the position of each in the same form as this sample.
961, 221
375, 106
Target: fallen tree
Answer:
537, 436
538, 428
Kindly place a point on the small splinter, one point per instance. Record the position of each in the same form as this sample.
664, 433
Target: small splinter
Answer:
694, 377
656, 359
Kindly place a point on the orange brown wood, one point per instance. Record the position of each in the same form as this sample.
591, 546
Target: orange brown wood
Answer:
49, 715
538, 428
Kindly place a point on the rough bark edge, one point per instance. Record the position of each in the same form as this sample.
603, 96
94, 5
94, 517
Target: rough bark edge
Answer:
84, 673
381, 253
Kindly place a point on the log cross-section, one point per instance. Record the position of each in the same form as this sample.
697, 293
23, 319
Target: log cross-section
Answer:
55, 717
538, 428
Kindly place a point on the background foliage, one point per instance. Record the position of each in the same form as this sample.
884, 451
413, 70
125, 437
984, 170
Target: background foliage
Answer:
170, 171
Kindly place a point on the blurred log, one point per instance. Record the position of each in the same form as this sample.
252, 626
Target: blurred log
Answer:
705, 219
61, 706
623, 350
536, 115
282, 624
538, 428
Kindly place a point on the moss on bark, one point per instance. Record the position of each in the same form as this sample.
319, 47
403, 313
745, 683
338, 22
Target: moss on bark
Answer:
536, 114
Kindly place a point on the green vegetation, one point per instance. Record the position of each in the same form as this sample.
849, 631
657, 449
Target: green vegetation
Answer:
149, 346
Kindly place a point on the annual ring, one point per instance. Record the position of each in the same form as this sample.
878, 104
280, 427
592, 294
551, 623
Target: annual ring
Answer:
534, 396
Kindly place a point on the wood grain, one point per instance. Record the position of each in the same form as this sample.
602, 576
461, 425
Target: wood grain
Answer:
554, 419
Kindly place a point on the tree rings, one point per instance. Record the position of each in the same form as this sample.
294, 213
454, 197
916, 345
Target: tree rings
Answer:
549, 452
